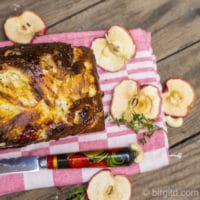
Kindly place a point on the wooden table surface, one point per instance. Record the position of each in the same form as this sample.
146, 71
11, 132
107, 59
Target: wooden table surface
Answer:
175, 28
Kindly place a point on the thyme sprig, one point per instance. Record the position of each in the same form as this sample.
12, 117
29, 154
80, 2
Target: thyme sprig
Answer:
119, 121
139, 122
76, 193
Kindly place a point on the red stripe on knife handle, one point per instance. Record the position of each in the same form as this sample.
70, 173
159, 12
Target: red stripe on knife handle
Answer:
50, 162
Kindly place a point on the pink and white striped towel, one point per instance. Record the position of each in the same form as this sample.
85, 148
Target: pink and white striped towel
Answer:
142, 68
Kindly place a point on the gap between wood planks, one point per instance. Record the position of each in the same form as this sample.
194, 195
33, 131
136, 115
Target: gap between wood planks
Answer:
178, 51
184, 141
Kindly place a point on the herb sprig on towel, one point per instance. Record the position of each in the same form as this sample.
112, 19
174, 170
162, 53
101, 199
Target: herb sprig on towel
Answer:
139, 122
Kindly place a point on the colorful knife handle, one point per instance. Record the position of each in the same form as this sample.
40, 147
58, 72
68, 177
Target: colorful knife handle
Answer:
104, 158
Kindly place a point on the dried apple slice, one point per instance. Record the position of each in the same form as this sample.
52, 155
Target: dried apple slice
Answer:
105, 58
174, 122
149, 102
178, 97
128, 97
139, 152
121, 42
23, 28
122, 95
105, 185
113, 51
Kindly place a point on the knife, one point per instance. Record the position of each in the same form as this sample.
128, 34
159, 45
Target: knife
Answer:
101, 158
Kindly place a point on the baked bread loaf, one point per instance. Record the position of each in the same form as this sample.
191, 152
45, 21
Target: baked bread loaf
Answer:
48, 91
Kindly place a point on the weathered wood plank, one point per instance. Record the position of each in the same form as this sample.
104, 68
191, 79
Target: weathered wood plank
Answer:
186, 65
178, 181
174, 24
181, 176
39, 194
51, 11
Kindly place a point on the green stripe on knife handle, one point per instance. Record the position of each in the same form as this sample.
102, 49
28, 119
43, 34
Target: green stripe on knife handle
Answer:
101, 158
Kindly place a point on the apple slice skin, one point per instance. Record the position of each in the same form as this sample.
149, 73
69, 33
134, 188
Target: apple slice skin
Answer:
188, 107
114, 177
42, 32
39, 33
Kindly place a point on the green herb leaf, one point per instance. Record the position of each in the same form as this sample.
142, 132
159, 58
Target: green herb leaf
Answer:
77, 193
142, 141
106, 116
150, 134
138, 122
120, 120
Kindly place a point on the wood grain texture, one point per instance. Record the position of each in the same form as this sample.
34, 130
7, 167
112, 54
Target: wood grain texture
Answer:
181, 176
51, 11
174, 24
186, 65
39, 194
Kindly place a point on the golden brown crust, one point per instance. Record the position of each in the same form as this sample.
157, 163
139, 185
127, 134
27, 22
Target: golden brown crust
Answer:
47, 91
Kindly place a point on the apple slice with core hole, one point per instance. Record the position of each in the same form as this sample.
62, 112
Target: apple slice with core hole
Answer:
129, 98
23, 28
178, 97
106, 186
113, 51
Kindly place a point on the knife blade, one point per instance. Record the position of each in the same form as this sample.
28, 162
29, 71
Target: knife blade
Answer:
101, 158
19, 164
